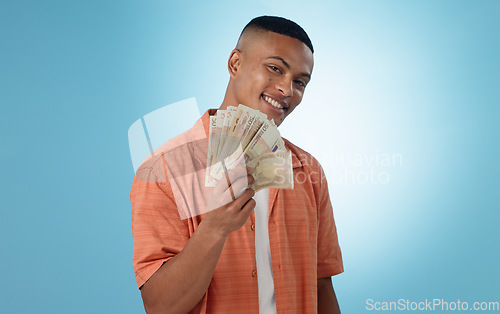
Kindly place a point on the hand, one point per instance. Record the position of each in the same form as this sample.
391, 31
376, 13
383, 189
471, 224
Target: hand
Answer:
226, 214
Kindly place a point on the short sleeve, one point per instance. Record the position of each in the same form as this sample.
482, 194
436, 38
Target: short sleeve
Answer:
157, 230
329, 254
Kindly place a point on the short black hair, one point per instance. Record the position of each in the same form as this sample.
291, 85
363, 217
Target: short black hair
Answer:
279, 25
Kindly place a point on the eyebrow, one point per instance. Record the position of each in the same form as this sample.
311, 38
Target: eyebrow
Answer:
288, 66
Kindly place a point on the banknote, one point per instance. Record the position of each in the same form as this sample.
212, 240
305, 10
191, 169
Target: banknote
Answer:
242, 133
221, 114
209, 180
264, 141
230, 137
272, 170
248, 127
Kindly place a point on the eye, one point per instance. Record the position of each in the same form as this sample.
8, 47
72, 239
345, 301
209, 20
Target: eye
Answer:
300, 83
275, 69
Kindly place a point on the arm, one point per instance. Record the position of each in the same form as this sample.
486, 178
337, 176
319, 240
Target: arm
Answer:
329, 255
327, 300
182, 281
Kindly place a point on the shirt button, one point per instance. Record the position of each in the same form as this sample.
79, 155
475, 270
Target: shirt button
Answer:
252, 226
254, 273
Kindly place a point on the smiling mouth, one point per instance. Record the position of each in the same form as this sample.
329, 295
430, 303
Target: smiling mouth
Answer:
273, 103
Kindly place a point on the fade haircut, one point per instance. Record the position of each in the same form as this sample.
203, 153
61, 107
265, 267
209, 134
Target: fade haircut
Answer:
278, 25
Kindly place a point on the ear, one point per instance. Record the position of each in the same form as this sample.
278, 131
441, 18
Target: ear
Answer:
234, 62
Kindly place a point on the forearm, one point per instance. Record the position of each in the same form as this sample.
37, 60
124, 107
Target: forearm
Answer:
181, 282
327, 300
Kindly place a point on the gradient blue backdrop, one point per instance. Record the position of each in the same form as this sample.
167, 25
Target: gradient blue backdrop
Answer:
417, 81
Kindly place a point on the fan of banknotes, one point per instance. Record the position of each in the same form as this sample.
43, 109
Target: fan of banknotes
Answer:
244, 134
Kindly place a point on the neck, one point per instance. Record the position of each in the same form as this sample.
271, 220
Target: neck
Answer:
229, 99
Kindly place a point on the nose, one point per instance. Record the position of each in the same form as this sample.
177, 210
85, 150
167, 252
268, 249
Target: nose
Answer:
285, 86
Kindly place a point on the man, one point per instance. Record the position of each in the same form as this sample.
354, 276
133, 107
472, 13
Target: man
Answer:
221, 262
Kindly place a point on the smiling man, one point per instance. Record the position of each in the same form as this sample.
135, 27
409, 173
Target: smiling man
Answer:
269, 71
268, 252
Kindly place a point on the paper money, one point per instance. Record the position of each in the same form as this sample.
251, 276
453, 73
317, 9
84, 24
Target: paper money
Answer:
272, 170
209, 180
245, 133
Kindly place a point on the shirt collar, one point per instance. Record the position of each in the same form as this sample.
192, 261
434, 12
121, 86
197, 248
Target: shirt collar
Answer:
296, 163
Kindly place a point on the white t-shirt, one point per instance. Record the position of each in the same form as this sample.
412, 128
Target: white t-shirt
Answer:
267, 301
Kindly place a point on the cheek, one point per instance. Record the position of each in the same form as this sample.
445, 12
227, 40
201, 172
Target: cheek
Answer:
299, 92
297, 97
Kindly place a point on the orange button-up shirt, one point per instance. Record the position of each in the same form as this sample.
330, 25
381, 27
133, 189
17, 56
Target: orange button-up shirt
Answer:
302, 232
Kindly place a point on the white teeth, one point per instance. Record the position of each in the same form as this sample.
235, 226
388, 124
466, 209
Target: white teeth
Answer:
273, 102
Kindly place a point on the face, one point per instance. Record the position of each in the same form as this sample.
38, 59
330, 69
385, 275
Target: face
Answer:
270, 74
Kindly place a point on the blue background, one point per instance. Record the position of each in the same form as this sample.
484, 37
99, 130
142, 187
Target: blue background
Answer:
414, 79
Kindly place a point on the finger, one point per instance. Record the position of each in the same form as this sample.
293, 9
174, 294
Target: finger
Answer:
240, 202
224, 193
242, 186
237, 172
228, 181
251, 179
248, 207
223, 184
234, 182
236, 179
